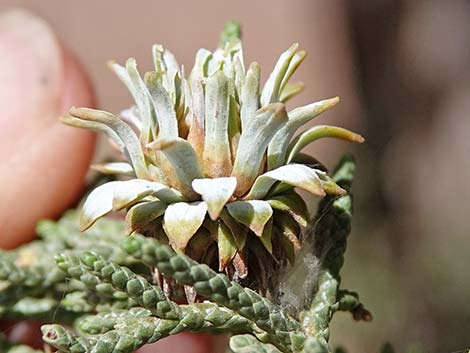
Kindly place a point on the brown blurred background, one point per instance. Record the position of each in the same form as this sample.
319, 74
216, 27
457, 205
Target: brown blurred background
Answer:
402, 69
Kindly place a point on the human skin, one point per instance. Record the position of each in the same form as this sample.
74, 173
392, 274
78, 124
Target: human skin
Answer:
44, 162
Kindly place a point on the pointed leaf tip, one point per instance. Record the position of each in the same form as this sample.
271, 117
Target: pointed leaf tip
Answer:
181, 221
114, 168
120, 132
98, 203
318, 132
329, 185
279, 76
130, 191
330, 102
215, 192
277, 148
140, 216
182, 157
297, 175
293, 204
253, 213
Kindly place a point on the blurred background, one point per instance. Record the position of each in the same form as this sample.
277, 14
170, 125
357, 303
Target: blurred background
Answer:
402, 69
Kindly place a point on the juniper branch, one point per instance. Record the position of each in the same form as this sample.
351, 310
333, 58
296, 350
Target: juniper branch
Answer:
249, 344
332, 228
127, 330
98, 272
152, 297
349, 301
92, 270
87, 301
105, 321
128, 334
39, 309
66, 234
30, 271
219, 289
17, 281
26, 277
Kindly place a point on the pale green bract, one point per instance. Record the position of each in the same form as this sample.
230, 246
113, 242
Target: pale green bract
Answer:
211, 154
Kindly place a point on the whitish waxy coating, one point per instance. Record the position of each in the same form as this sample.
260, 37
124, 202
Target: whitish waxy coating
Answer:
210, 154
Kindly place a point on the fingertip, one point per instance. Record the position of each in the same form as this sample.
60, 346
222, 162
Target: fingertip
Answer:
43, 161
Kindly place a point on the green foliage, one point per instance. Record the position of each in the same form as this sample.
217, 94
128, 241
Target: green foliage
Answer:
102, 283
33, 287
219, 289
333, 225
248, 343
